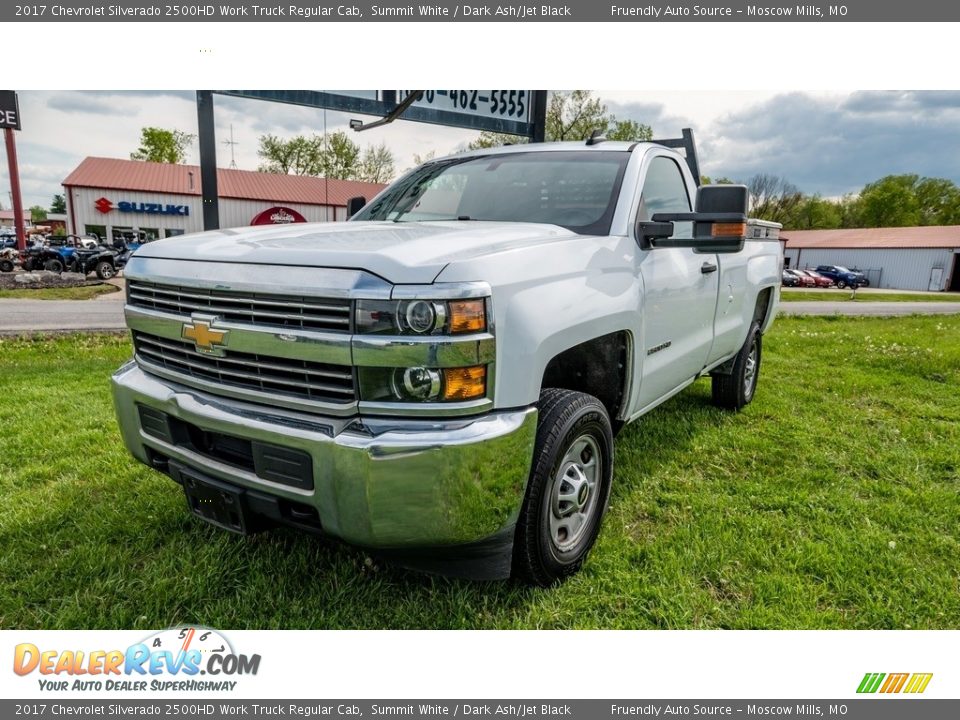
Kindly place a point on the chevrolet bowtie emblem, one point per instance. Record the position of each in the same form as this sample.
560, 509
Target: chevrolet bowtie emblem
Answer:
206, 339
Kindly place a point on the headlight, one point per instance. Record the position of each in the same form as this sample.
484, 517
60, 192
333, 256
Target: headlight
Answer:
421, 384
421, 317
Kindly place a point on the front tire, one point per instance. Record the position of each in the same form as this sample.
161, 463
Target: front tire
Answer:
105, 270
54, 266
6, 266
841, 284
737, 389
568, 489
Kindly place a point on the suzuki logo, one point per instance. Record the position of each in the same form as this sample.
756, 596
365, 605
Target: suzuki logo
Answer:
205, 339
103, 205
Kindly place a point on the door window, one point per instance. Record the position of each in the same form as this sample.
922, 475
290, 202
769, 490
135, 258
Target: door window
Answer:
664, 191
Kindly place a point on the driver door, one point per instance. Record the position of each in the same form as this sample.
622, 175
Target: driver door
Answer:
679, 291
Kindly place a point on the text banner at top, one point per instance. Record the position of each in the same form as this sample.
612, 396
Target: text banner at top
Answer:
449, 11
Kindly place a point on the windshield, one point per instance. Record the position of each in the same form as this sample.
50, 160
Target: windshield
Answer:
577, 190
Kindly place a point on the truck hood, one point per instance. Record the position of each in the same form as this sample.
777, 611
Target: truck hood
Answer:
398, 252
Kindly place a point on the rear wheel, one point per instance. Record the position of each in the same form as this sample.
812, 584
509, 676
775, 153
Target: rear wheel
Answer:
568, 489
736, 390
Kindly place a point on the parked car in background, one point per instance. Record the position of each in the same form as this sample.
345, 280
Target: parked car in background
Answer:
821, 281
788, 279
802, 279
843, 277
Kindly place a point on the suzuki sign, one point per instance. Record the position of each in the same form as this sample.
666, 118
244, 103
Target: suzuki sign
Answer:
105, 206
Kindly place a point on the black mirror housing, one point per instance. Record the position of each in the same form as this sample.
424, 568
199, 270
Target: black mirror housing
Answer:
355, 205
719, 224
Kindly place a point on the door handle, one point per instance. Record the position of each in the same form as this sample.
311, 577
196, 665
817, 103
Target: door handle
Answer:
708, 267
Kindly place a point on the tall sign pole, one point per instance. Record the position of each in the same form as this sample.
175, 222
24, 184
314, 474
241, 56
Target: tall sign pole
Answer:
10, 121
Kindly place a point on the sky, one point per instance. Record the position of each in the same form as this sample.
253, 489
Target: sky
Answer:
830, 143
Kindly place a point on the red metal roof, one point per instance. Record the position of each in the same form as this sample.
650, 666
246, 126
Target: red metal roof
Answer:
942, 236
117, 174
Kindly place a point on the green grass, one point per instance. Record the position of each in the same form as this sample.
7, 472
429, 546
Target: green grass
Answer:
80, 292
832, 501
865, 296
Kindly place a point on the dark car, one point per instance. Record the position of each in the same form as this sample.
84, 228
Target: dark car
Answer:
843, 277
788, 279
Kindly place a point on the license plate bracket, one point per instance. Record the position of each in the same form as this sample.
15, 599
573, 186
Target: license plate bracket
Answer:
216, 502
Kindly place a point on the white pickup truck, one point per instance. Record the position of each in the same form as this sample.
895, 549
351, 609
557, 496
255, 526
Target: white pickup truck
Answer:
441, 378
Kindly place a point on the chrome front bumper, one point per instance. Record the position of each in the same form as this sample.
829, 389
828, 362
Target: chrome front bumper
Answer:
379, 483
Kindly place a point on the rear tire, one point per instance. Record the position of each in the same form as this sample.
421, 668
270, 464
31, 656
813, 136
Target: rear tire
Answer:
737, 389
568, 489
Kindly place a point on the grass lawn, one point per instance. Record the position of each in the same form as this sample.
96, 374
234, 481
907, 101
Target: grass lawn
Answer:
82, 292
865, 296
830, 502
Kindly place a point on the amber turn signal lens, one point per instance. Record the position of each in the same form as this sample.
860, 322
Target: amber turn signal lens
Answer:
468, 316
729, 230
466, 383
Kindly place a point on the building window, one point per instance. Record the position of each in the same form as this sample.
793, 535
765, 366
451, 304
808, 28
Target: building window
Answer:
98, 230
173, 232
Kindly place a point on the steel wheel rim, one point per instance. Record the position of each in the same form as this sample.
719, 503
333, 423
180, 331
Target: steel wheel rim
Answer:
107, 272
750, 370
574, 492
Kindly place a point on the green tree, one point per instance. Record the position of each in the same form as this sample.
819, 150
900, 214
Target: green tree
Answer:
59, 204
299, 155
38, 213
574, 116
163, 146
890, 202
341, 157
377, 165
812, 212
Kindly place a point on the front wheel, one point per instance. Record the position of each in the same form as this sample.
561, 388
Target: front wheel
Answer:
568, 489
841, 284
6, 266
54, 266
736, 390
105, 270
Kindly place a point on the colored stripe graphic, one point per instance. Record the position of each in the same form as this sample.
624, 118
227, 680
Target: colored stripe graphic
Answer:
870, 682
894, 683
918, 682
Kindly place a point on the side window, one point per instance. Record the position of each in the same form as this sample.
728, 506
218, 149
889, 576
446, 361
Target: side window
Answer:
665, 192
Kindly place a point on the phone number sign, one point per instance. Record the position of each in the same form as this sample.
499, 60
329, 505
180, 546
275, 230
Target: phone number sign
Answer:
498, 104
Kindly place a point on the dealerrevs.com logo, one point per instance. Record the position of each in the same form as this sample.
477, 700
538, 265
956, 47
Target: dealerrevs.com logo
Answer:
179, 659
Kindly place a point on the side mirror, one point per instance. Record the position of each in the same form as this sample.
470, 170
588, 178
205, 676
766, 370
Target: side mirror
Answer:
719, 224
355, 205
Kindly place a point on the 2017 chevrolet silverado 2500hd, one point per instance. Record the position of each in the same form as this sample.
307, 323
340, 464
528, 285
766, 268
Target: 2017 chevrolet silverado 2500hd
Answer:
441, 378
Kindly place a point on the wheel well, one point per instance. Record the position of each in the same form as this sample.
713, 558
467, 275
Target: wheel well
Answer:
597, 367
762, 307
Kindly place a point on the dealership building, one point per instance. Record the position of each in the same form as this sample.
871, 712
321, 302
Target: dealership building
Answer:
905, 258
116, 198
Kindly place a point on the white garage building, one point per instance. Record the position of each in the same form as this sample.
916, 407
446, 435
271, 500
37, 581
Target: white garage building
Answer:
907, 258
113, 198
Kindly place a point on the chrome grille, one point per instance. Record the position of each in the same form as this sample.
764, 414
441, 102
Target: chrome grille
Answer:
301, 379
329, 315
